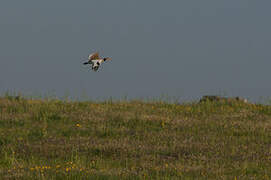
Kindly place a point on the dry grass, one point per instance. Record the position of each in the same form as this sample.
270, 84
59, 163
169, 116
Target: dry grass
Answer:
42, 139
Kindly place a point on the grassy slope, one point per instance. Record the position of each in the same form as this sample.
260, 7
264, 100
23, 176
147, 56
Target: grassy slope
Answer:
56, 139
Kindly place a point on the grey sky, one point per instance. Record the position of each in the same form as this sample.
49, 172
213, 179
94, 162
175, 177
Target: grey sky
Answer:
184, 49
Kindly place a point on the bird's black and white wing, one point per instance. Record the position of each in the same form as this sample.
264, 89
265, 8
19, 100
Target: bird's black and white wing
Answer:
93, 56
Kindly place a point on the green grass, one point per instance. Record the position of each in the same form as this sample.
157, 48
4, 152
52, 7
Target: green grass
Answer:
52, 139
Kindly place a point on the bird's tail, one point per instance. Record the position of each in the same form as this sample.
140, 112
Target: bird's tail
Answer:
86, 63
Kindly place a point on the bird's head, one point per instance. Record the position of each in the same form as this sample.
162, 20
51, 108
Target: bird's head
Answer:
107, 59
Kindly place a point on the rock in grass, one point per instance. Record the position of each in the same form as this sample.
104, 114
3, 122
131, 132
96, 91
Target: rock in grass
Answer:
222, 99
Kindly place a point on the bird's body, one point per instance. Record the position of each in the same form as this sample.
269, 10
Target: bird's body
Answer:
95, 61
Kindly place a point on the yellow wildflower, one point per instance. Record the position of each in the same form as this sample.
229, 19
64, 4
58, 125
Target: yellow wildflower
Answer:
78, 125
163, 124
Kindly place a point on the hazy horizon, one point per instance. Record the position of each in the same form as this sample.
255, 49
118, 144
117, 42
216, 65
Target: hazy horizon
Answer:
183, 49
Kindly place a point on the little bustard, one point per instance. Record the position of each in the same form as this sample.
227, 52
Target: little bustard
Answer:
95, 61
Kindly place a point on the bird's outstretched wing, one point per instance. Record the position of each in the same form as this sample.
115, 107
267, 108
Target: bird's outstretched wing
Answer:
93, 56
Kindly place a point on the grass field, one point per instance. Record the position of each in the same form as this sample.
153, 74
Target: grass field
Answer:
53, 139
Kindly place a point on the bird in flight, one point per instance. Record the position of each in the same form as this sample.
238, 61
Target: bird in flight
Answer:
95, 61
